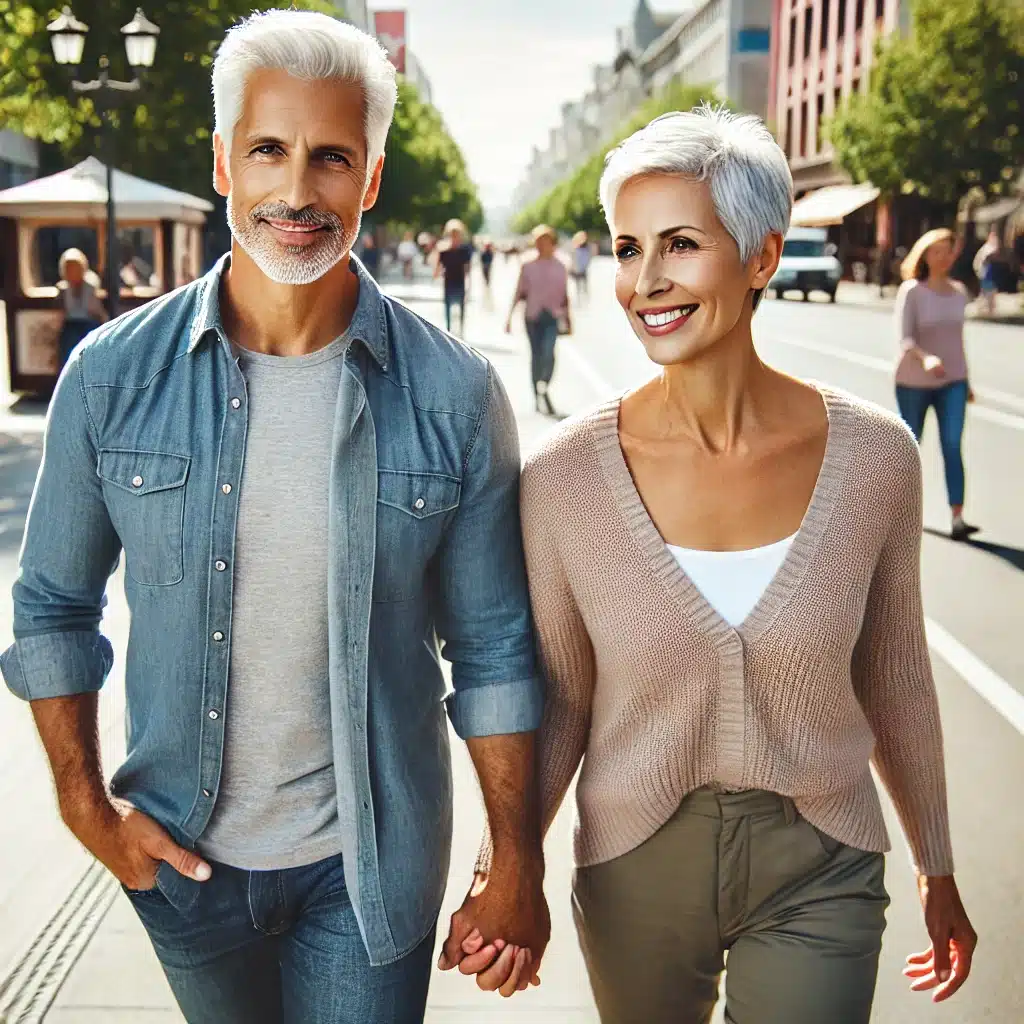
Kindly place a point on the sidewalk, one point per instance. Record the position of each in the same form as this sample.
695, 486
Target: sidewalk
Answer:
117, 980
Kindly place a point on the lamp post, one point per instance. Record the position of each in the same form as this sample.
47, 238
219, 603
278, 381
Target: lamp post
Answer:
67, 37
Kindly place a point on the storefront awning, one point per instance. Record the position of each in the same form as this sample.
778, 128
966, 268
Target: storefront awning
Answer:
996, 211
831, 205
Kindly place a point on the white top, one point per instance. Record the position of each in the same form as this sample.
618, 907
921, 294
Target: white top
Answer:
732, 582
408, 250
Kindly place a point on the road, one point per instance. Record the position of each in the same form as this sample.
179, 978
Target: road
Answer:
973, 594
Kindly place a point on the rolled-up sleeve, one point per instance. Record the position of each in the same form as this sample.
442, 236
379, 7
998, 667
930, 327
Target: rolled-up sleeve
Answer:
69, 551
484, 618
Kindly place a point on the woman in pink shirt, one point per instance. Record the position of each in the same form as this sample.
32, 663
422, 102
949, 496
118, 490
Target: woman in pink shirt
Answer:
543, 286
932, 368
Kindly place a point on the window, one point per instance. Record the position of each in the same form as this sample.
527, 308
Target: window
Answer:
803, 247
821, 122
825, 12
879, 10
803, 128
789, 132
858, 20
792, 41
808, 30
842, 19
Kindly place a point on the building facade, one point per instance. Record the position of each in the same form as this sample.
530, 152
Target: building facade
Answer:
357, 13
724, 44
19, 159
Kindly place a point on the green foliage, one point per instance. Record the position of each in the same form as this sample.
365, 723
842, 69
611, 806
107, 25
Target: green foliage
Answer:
168, 136
425, 181
573, 204
944, 111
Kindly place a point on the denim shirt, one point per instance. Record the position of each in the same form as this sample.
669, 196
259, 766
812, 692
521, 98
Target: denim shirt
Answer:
146, 430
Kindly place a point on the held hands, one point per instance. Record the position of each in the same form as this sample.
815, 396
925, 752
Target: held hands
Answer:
501, 931
944, 967
131, 845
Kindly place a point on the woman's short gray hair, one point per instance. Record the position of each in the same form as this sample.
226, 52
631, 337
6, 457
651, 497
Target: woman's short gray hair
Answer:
751, 185
312, 47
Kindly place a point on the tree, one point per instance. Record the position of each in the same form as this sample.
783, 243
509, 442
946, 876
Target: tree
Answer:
573, 204
943, 113
425, 180
168, 136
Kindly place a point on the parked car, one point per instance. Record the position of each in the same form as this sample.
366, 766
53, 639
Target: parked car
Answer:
808, 265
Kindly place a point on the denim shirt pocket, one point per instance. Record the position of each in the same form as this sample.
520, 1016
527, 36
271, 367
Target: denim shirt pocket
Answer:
145, 496
413, 509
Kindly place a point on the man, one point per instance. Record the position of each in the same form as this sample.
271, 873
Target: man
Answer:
408, 250
309, 485
454, 257
371, 255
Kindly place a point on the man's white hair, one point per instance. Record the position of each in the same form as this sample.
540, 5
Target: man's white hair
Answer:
312, 47
751, 185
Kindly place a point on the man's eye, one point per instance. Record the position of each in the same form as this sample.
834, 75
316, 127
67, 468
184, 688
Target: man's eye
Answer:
266, 150
337, 158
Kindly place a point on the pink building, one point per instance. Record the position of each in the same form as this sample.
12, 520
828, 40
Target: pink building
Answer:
822, 51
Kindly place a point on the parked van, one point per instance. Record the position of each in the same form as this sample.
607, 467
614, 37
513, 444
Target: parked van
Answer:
808, 265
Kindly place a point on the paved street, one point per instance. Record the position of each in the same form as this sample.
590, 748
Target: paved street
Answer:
974, 595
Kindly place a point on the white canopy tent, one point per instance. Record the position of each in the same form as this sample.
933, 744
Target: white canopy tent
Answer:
80, 193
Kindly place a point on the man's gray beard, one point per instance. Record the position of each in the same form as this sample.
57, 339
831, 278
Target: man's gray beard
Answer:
294, 265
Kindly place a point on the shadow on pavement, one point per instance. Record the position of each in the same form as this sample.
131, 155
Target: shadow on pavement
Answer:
1015, 556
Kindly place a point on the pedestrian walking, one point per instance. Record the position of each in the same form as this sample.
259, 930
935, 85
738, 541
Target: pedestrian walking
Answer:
543, 287
408, 250
307, 481
581, 257
454, 257
986, 265
932, 367
487, 262
83, 311
725, 687
370, 255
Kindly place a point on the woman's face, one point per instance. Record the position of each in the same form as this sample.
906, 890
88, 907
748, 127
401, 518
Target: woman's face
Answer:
940, 256
74, 272
679, 276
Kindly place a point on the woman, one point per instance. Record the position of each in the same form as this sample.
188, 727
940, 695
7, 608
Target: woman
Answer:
581, 257
543, 287
83, 311
724, 569
932, 369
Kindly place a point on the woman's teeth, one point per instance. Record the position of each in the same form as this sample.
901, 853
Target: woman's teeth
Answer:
664, 319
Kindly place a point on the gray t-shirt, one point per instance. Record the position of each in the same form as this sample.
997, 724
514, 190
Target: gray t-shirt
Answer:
277, 805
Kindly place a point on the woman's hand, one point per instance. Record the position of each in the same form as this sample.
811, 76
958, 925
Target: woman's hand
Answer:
933, 365
508, 326
970, 393
944, 967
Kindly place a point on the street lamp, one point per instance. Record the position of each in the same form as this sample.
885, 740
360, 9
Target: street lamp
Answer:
67, 37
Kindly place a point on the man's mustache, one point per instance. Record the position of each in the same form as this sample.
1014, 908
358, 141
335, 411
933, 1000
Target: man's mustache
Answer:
308, 216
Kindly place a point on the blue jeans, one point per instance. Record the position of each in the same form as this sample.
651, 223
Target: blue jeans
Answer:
454, 298
950, 403
543, 334
277, 947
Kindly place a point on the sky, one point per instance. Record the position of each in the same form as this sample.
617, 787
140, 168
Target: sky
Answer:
501, 69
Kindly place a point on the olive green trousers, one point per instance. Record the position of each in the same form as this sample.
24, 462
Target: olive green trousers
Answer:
800, 916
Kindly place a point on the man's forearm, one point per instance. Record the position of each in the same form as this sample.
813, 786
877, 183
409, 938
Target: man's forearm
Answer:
506, 767
69, 729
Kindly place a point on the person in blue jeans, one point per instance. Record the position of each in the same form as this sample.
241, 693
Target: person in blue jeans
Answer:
454, 258
932, 369
313, 490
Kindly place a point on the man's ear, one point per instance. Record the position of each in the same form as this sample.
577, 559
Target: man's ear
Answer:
373, 189
766, 262
221, 171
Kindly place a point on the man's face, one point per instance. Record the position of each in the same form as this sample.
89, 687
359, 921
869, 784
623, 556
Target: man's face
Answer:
296, 177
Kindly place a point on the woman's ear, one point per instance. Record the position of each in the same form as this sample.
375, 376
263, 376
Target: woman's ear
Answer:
766, 262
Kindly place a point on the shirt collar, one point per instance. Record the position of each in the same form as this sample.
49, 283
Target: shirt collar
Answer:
368, 324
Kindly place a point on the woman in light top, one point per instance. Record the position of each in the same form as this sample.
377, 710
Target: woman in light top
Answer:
932, 368
724, 568
83, 311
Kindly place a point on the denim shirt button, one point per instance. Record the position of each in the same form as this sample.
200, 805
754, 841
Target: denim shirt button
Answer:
207, 793
137, 481
218, 636
236, 403
419, 503
220, 565
214, 714
226, 488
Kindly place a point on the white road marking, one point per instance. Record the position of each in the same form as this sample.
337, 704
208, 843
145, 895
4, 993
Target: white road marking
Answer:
983, 680
983, 412
990, 686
